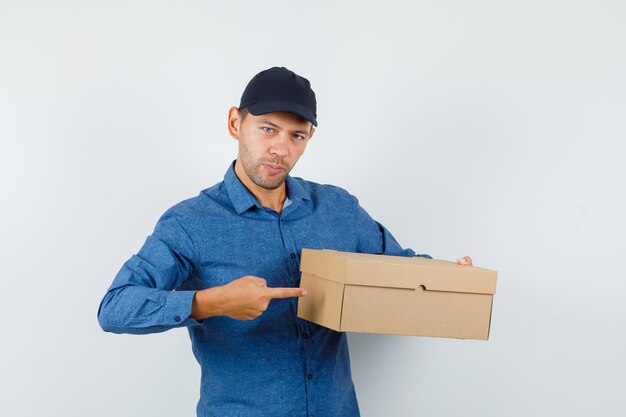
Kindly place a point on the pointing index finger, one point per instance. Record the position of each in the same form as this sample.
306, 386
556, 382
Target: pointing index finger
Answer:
278, 292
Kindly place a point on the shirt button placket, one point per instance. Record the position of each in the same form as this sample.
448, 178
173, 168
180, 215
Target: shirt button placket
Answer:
289, 246
287, 242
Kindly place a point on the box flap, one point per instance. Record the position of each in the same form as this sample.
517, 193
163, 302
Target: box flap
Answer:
398, 272
324, 264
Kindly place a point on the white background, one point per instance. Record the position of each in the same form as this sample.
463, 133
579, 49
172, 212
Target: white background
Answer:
493, 129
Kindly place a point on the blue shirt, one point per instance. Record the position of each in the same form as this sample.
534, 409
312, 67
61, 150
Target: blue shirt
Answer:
277, 364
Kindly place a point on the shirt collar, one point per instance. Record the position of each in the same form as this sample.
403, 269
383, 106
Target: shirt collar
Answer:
242, 199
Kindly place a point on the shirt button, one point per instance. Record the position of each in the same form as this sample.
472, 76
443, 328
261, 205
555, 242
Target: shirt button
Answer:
293, 256
309, 376
305, 335
177, 318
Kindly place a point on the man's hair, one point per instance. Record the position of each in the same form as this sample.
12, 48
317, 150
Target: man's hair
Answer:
244, 112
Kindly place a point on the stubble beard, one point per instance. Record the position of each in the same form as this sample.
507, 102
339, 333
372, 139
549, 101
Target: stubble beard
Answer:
253, 169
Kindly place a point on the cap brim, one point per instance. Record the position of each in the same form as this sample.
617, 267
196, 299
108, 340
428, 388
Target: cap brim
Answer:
278, 106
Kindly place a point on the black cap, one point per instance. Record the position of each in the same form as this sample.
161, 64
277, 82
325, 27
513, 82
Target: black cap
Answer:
279, 89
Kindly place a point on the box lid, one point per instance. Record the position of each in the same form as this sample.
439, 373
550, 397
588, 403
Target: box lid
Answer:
397, 271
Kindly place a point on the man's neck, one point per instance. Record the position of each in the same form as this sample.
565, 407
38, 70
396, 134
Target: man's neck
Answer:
273, 199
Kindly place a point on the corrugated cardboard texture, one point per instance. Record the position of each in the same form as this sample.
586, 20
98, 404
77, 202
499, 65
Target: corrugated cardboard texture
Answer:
396, 295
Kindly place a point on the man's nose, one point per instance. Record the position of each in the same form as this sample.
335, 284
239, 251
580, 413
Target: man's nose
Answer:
279, 145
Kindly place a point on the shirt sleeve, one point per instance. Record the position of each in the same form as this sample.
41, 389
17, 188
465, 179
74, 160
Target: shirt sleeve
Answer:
374, 238
142, 298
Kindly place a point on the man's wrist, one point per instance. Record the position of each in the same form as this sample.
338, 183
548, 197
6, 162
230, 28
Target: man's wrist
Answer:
206, 303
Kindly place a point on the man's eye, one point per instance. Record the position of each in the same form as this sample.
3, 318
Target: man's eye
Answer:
298, 136
267, 129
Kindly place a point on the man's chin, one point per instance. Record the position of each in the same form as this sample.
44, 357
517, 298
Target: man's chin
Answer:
271, 185
268, 183
271, 182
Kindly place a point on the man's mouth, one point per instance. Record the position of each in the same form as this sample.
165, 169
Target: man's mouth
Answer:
274, 168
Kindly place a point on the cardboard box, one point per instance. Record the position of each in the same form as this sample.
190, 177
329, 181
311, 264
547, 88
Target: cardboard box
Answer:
356, 292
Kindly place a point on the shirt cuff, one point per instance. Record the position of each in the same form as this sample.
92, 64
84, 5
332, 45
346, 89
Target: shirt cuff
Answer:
177, 312
423, 255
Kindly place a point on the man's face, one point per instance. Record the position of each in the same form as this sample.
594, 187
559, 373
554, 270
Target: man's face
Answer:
270, 145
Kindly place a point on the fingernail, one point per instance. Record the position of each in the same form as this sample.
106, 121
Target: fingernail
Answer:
304, 292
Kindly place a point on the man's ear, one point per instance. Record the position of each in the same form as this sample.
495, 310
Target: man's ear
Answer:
312, 130
234, 122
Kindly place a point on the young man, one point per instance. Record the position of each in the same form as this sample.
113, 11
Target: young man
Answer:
225, 264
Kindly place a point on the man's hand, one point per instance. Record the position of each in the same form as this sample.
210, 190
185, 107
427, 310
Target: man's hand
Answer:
245, 298
466, 260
